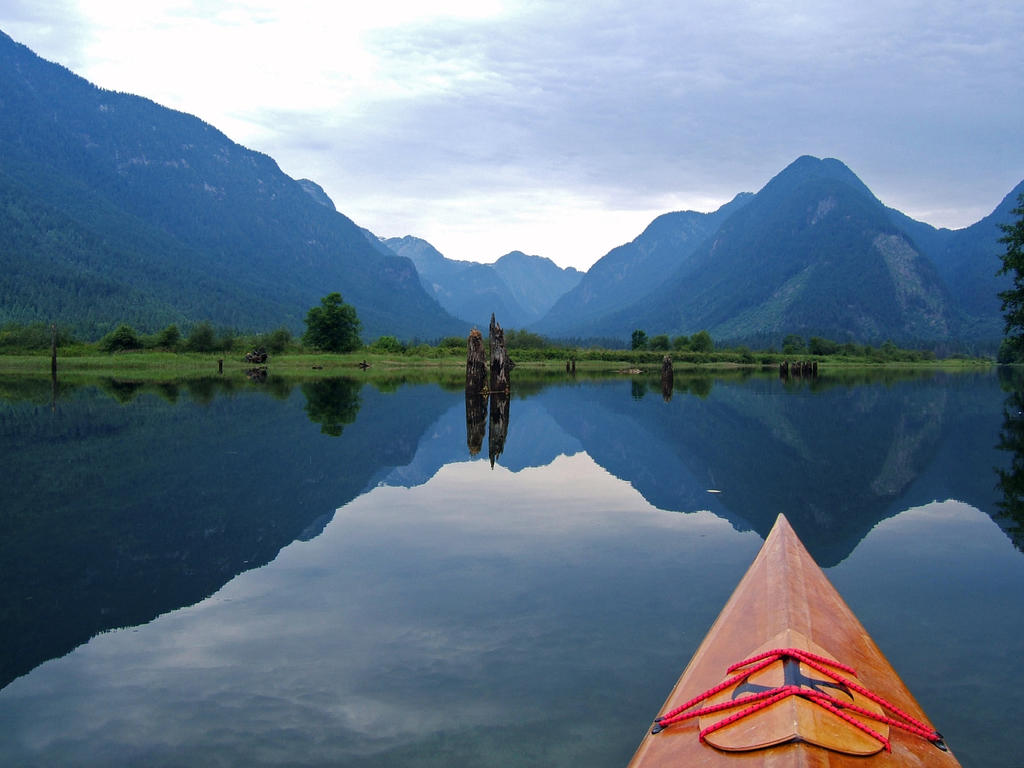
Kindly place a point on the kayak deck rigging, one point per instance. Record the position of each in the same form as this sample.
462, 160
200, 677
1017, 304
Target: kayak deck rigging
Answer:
812, 690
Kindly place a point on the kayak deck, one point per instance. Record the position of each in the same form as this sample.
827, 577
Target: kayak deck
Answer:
785, 603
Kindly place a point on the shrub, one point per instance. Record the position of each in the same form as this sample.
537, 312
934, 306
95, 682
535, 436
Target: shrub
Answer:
201, 339
277, 341
701, 342
120, 339
168, 338
659, 343
388, 345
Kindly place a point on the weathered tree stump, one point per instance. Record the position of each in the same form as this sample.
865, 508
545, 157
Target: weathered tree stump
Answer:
500, 365
476, 362
476, 420
258, 356
667, 377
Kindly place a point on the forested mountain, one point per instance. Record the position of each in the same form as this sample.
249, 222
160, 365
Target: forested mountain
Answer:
814, 253
968, 261
629, 272
113, 208
518, 289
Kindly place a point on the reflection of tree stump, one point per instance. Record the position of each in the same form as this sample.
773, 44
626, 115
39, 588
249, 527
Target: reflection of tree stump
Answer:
500, 366
499, 426
667, 378
476, 364
476, 420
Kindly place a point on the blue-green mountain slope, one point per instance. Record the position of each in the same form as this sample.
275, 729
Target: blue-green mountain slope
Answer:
113, 208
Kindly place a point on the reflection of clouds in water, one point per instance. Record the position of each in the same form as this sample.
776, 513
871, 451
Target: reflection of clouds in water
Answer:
416, 612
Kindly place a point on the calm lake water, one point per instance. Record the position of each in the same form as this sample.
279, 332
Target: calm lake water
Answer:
336, 574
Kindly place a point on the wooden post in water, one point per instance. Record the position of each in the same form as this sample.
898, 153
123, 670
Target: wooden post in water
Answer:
53, 350
499, 359
667, 378
476, 364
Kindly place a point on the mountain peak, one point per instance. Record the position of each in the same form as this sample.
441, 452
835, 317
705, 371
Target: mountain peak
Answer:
518, 257
808, 168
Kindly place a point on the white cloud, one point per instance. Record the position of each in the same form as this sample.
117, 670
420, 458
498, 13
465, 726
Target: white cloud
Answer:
526, 120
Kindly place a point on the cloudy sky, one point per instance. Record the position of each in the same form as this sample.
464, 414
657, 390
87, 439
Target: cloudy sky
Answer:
563, 128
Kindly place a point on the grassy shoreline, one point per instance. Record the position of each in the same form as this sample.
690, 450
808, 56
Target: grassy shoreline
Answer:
155, 364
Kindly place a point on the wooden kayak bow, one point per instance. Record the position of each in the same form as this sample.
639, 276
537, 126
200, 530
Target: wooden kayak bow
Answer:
787, 676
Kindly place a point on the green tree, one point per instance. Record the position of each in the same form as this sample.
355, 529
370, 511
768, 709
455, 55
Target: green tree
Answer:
793, 344
518, 339
639, 340
680, 343
278, 340
201, 338
452, 344
659, 342
701, 342
226, 341
388, 345
168, 338
819, 346
33, 336
121, 338
1013, 297
333, 326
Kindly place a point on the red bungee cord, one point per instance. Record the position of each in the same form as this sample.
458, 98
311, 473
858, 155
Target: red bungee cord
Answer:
757, 701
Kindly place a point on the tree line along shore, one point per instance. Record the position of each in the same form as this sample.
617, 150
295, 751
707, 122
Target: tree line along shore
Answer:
333, 334
27, 349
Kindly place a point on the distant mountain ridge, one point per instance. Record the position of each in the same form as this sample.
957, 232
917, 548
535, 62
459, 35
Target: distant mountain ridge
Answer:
115, 209
814, 253
518, 289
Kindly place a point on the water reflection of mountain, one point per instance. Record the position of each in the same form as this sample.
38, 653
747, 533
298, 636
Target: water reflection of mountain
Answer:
836, 458
114, 514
